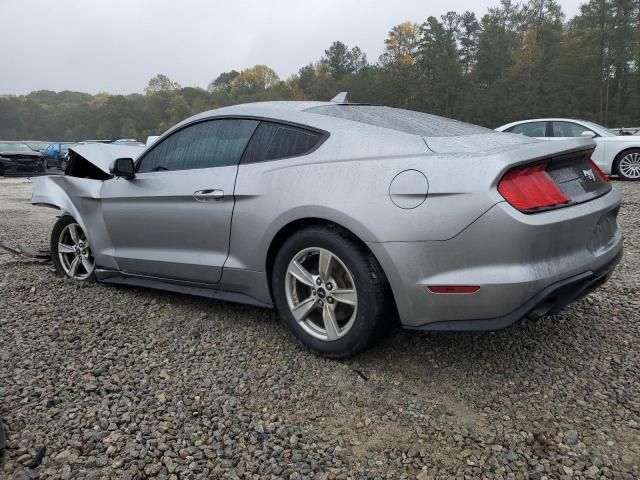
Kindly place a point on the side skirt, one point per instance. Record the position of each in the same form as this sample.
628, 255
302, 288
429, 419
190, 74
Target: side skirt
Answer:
177, 286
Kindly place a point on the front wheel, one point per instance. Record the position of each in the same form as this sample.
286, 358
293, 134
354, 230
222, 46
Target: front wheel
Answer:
70, 250
330, 292
627, 165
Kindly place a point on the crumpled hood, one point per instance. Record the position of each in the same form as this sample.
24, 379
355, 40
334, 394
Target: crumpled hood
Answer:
102, 155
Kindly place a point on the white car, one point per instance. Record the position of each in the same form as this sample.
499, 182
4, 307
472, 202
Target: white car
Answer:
615, 155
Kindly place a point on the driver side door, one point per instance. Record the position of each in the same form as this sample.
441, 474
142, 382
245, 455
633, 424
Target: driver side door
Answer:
173, 219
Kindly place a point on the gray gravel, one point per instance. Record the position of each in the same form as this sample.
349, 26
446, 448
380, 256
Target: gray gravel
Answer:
108, 382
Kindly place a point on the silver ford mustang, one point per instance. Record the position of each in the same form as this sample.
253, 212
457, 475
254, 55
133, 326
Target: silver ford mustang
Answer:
344, 217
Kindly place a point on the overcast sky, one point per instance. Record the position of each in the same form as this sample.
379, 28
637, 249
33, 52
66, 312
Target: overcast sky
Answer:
117, 45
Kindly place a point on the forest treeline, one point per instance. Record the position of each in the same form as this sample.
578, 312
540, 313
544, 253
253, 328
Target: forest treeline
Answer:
518, 60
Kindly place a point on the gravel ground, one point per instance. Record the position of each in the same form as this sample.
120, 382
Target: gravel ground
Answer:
108, 382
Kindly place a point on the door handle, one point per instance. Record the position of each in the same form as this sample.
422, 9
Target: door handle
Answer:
206, 195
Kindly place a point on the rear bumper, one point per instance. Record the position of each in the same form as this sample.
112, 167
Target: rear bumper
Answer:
520, 262
547, 302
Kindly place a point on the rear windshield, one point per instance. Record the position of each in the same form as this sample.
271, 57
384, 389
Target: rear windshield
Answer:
406, 121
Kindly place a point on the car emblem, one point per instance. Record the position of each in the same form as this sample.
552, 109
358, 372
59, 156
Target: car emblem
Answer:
589, 174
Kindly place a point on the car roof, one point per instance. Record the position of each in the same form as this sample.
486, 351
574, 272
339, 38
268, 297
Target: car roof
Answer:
275, 109
327, 116
549, 119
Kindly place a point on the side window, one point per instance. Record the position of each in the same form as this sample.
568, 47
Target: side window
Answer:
213, 143
531, 129
568, 129
274, 140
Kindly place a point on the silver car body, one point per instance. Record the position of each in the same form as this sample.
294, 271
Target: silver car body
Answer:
426, 206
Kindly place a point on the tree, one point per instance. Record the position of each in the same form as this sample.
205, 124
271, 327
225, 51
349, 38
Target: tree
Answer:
439, 66
402, 44
342, 61
223, 82
161, 83
254, 80
468, 40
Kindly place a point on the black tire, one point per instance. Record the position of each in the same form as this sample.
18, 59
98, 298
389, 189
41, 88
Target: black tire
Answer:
42, 168
62, 222
616, 165
373, 313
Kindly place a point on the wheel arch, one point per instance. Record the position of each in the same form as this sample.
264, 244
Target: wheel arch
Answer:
619, 156
301, 223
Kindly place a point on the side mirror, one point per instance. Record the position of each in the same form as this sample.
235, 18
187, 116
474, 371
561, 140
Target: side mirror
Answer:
588, 134
123, 167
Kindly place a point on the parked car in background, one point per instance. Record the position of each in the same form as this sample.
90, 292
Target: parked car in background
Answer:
614, 154
340, 215
625, 131
56, 151
18, 157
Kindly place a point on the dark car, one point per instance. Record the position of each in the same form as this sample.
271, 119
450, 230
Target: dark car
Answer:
17, 157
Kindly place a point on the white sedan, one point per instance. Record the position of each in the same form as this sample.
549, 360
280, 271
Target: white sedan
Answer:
619, 155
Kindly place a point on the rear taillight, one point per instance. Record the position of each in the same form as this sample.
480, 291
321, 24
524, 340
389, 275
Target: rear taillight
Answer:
530, 188
598, 171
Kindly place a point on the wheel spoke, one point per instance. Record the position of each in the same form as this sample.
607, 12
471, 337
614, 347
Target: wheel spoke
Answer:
63, 248
300, 273
301, 310
73, 231
330, 322
345, 295
73, 268
324, 264
88, 266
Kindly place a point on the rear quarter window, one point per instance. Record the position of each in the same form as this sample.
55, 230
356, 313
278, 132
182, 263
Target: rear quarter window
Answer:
272, 141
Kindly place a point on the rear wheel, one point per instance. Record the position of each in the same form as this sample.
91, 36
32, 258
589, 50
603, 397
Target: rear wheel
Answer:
627, 165
329, 291
70, 250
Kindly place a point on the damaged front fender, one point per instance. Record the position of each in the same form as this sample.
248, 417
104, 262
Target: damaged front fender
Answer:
78, 192
80, 198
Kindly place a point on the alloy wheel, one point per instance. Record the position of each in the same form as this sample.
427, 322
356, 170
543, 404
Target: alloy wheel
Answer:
321, 293
629, 165
75, 253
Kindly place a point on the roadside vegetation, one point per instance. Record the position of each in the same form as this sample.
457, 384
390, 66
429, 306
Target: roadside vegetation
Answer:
518, 60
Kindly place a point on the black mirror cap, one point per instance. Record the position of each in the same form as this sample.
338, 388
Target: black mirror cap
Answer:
123, 167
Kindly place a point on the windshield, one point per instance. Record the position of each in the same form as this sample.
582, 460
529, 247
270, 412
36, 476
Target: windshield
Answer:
38, 145
599, 129
15, 147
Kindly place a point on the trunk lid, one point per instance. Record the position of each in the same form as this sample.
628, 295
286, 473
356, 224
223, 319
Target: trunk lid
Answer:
577, 177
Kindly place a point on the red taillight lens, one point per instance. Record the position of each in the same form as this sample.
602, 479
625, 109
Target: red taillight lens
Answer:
530, 188
598, 171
